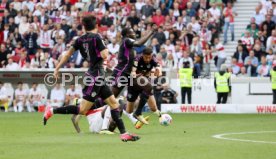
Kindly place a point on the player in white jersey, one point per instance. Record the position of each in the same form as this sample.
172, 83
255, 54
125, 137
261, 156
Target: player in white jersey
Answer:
99, 119
4, 100
34, 99
20, 99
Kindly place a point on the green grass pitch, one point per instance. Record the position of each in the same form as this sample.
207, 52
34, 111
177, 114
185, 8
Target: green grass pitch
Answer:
22, 136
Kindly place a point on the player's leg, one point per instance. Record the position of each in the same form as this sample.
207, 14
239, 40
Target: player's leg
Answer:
15, 106
4, 101
75, 120
189, 91
107, 119
20, 106
147, 96
70, 109
110, 99
224, 98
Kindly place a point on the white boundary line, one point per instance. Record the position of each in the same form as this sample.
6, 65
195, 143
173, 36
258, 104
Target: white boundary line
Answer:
222, 137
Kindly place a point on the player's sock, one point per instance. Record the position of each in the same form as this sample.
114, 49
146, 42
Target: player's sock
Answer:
15, 108
131, 118
106, 119
143, 100
70, 109
115, 113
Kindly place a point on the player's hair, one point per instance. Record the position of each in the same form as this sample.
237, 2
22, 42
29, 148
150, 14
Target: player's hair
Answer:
89, 22
125, 31
19, 83
147, 51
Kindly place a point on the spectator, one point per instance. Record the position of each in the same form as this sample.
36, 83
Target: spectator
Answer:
147, 10
270, 57
185, 58
258, 52
259, 17
191, 12
229, 14
71, 94
168, 95
12, 65
251, 63
221, 57
263, 69
270, 24
235, 67
243, 72
3, 55
57, 98
20, 98
31, 41
155, 46
106, 21
196, 47
240, 56
158, 19
207, 58
24, 26
271, 41
160, 36
247, 40
113, 47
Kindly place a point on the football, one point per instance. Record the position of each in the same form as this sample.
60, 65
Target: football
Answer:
165, 120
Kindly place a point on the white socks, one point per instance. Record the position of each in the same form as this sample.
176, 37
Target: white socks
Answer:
130, 116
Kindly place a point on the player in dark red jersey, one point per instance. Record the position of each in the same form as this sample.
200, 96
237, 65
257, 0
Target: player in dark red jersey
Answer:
93, 49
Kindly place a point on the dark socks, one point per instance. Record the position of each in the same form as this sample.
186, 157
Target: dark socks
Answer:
143, 100
70, 109
115, 114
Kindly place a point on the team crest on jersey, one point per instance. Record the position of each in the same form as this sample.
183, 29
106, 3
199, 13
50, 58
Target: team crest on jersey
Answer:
93, 94
148, 66
129, 95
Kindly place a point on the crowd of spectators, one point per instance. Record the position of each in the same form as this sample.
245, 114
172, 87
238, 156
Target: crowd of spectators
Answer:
35, 33
256, 50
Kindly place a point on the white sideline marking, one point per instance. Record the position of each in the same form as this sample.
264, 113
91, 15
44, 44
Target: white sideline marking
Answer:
221, 136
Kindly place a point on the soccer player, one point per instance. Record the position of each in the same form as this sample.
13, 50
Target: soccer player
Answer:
142, 68
20, 99
126, 58
92, 49
99, 119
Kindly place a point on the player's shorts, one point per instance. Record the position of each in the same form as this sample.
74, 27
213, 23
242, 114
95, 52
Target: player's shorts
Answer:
120, 80
140, 85
95, 120
96, 88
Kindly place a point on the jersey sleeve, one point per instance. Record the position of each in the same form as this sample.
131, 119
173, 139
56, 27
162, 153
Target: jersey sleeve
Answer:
100, 43
76, 44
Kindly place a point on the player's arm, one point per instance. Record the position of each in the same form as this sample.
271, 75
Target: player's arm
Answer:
134, 67
64, 60
145, 38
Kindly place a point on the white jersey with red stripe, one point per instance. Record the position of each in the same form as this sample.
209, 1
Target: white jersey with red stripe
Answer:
96, 120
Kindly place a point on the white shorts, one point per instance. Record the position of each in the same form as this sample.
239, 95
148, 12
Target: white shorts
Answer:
95, 121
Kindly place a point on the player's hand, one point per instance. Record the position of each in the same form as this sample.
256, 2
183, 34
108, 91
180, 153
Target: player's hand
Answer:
133, 74
157, 73
56, 73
